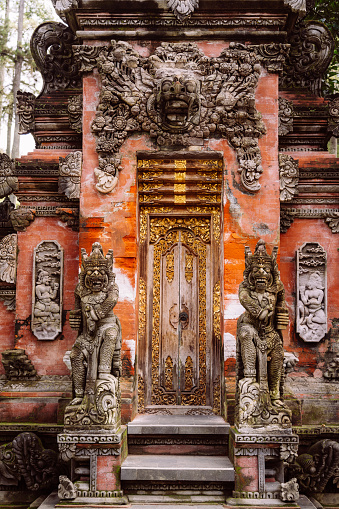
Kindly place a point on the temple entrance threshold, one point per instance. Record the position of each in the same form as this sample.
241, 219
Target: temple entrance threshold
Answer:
177, 457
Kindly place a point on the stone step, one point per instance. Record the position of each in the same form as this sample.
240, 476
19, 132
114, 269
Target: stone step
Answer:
176, 468
178, 435
153, 424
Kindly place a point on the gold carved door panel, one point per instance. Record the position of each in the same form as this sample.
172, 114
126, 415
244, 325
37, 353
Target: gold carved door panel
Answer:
178, 260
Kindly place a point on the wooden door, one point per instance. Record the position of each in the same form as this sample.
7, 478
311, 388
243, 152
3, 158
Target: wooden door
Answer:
179, 359
177, 259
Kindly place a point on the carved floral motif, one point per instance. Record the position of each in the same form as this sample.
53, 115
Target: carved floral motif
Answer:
286, 112
8, 254
179, 96
25, 104
311, 312
47, 290
182, 9
289, 177
70, 174
74, 109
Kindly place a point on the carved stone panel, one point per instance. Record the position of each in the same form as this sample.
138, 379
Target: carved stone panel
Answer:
311, 312
8, 253
47, 290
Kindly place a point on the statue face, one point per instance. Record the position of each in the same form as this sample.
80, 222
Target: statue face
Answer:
96, 279
178, 101
261, 275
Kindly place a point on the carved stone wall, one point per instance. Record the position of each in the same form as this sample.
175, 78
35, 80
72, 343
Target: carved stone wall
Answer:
311, 306
47, 290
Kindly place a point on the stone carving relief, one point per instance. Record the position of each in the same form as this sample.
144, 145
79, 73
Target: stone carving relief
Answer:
74, 109
51, 47
286, 112
331, 368
311, 312
21, 218
8, 182
47, 290
290, 491
287, 215
17, 365
25, 104
95, 356
298, 6
180, 97
183, 9
70, 168
26, 460
311, 52
7, 295
260, 353
314, 469
69, 216
62, 7
289, 177
66, 489
8, 254
333, 110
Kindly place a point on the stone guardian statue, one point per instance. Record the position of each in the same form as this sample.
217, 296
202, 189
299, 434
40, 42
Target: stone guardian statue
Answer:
95, 356
260, 353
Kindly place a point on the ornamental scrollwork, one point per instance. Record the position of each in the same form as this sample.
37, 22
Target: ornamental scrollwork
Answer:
311, 52
51, 47
17, 365
289, 177
180, 97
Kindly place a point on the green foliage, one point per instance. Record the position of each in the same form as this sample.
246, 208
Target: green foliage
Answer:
327, 11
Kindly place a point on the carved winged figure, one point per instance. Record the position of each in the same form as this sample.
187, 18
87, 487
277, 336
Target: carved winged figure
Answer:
95, 356
260, 353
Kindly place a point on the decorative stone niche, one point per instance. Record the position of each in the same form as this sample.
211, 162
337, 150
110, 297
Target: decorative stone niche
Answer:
47, 290
311, 305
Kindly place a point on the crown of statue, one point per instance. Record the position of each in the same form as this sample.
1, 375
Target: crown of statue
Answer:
97, 259
260, 256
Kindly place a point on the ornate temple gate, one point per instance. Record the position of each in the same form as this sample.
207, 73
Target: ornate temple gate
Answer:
179, 354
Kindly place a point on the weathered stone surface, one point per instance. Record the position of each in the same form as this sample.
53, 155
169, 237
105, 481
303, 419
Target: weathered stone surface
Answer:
95, 356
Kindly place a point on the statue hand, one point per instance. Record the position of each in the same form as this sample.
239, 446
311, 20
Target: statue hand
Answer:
75, 319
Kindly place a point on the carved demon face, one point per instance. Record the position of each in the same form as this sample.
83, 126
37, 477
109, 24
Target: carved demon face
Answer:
96, 279
176, 105
261, 275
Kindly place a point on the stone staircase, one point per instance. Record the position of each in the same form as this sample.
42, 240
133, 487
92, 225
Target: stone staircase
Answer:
177, 458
